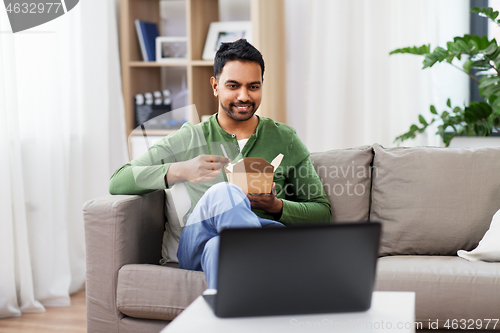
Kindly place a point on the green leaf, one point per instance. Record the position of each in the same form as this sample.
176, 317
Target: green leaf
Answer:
453, 47
421, 119
496, 123
438, 55
422, 50
492, 89
485, 12
477, 111
447, 138
441, 53
408, 135
467, 65
492, 48
433, 109
481, 43
464, 48
448, 102
482, 129
413, 128
491, 101
429, 61
488, 81
444, 114
473, 45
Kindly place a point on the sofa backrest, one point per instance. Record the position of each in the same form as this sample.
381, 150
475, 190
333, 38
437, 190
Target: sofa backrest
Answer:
434, 201
346, 178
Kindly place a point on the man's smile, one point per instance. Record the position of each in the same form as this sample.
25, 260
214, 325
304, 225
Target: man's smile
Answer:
243, 107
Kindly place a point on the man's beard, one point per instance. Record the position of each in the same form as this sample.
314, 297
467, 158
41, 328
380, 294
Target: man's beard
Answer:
236, 116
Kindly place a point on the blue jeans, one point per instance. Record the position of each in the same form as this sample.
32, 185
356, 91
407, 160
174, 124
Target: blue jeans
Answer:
223, 206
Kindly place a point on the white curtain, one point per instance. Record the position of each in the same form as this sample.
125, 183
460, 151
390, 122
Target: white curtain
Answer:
344, 90
62, 134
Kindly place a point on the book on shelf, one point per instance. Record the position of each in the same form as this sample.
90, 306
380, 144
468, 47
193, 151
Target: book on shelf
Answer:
147, 33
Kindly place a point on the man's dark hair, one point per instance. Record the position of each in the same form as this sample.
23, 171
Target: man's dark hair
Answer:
240, 50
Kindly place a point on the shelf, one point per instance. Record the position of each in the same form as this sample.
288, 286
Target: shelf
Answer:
209, 63
172, 63
158, 132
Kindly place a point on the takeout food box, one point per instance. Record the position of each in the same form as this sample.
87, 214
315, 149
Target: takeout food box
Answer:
253, 174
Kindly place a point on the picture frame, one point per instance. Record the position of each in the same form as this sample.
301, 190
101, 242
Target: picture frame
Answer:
171, 49
220, 32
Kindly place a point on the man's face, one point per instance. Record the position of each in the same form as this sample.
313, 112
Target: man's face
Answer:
239, 89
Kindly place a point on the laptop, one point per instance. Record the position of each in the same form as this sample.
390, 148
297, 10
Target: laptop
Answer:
295, 270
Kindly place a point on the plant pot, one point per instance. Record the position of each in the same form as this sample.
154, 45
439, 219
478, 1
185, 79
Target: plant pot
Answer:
475, 141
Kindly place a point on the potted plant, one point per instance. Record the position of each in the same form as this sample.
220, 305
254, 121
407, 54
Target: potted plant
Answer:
482, 55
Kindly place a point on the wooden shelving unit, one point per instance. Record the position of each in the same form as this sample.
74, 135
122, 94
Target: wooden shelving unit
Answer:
267, 18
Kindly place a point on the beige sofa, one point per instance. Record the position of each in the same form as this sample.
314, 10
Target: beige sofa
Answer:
431, 201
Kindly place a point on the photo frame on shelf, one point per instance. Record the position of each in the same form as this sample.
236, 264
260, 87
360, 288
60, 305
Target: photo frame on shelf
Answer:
222, 32
171, 48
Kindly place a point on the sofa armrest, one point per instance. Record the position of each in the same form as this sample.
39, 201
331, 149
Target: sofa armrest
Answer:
119, 230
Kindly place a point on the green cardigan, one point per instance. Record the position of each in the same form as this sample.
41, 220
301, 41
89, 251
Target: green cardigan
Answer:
297, 183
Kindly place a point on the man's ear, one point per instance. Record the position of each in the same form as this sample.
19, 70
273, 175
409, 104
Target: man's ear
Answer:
215, 86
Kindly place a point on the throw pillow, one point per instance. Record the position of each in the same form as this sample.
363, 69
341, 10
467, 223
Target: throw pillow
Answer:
489, 247
346, 176
177, 204
434, 201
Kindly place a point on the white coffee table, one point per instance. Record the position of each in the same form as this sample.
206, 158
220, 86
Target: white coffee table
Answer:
390, 311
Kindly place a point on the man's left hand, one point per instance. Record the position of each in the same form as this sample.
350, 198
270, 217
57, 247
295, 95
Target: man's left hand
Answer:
267, 201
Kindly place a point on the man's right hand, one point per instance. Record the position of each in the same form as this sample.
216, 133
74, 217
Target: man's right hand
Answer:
196, 170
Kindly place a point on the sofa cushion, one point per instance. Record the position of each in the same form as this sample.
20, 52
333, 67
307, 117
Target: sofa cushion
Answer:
434, 200
157, 292
177, 204
445, 287
346, 178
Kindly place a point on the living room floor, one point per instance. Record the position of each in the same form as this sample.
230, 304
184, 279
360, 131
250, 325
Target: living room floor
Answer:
72, 319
